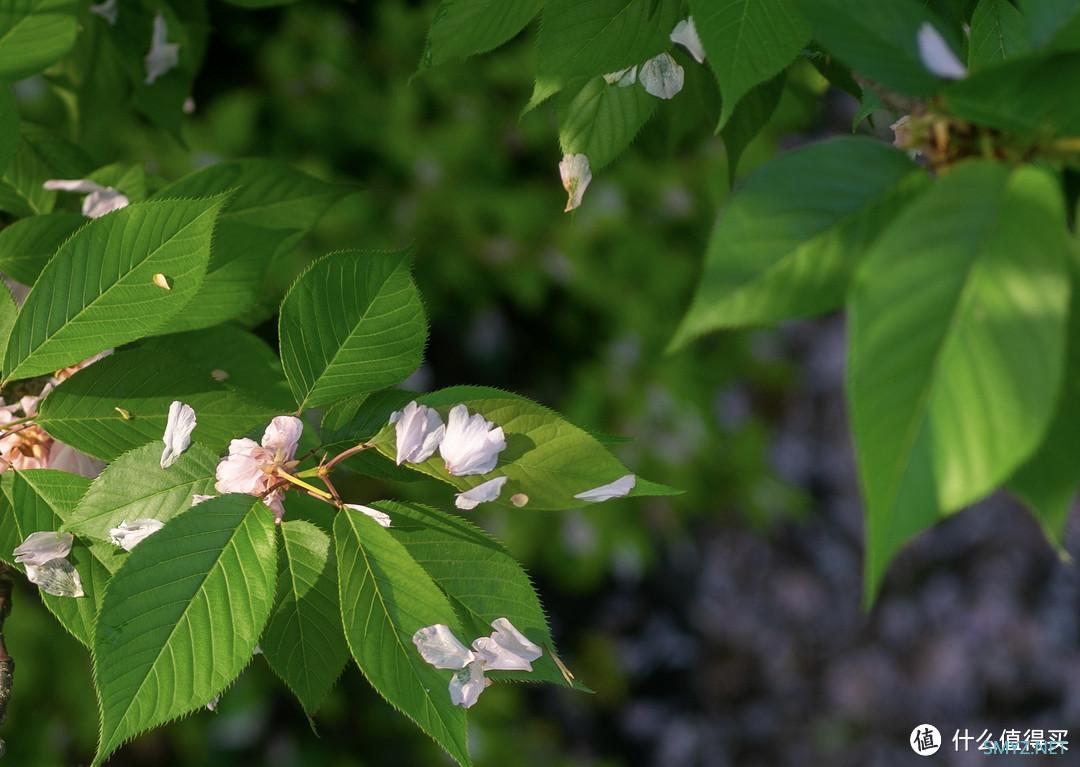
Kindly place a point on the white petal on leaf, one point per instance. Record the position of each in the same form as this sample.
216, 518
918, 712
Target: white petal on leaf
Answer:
623, 78
418, 430
661, 76
936, 54
507, 649
381, 517
40, 547
178, 430
471, 444
576, 176
128, 536
467, 684
199, 498
482, 493
617, 489
685, 34
439, 647
57, 577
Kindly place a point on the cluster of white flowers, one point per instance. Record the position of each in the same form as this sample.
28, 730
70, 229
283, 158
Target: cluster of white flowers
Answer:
44, 555
506, 649
468, 445
661, 76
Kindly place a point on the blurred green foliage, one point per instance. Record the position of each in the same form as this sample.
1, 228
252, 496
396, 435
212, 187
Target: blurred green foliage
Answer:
572, 310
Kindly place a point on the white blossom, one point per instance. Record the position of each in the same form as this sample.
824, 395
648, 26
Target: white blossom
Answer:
685, 34
99, 199
506, 649
40, 547
252, 468
57, 577
163, 55
128, 536
178, 430
623, 78
482, 493
936, 54
471, 444
419, 430
106, 10
661, 76
617, 489
380, 517
576, 176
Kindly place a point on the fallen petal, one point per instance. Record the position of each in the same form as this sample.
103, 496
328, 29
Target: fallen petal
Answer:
40, 547
128, 536
439, 647
936, 54
576, 177
482, 493
661, 76
617, 489
380, 517
57, 577
178, 430
686, 35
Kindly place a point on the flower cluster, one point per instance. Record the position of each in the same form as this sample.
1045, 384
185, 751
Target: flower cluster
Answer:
506, 649
468, 445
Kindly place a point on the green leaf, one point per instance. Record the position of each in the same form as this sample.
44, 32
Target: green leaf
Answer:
998, 32
134, 486
351, 421
9, 128
27, 244
42, 499
584, 40
791, 237
42, 154
303, 642
8, 311
1027, 96
1048, 482
181, 617
144, 380
463, 28
34, 34
351, 323
957, 324
98, 290
272, 208
385, 597
1053, 24
748, 42
547, 458
878, 40
479, 577
601, 120
753, 113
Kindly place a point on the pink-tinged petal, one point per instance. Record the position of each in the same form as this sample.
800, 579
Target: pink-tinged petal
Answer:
438, 646
241, 471
66, 458
282, 436
276, 503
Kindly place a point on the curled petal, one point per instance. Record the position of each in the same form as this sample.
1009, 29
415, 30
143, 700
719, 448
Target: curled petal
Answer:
282, 436
177, 432
661, 76
39, 548
418, 430
128, 536
482, 493
467, 684
98, 203
163, 56
241, 471
507, 649
936, 54
624, 78
380, 517
617, 489
576, 176
438, 646
57, 577
471, 444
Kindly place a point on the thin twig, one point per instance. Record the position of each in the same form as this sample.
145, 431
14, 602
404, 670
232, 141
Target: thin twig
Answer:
329, 465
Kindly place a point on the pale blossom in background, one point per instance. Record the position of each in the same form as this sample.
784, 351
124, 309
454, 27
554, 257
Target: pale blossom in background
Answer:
380, 517
506, 649
252, 468
178, 430
661, 76
163, 55
686, 35
617, 489
623, 78
418, 430
576, 177
471, 444
482, 493
129, 535
106, 10
936, 54
99, 199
